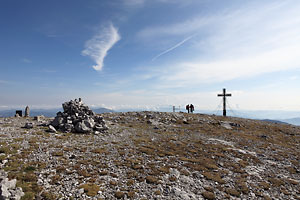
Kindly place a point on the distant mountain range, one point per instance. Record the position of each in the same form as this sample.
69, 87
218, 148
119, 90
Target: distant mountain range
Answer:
46, 112
274, 121
102, 110
282, 117
294, 121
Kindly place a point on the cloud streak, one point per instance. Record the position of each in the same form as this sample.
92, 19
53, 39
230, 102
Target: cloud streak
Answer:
180, 28
174, 47
134, 2
193, 73
143, 2
3, 82
240, 44
99, 45
26, 60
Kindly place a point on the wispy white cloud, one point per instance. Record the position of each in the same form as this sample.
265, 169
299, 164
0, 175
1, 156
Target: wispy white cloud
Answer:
245, 42
185, 27
98, 47
143, 2
173, 47
150, 100
3, 82
227, 69
213, 21
26, 60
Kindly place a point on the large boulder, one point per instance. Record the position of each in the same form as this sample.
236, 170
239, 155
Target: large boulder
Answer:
78, 118
8, 188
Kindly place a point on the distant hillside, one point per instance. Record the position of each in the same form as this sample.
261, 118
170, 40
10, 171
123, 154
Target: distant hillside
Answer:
274, 121
33, 112
7, 113
295, 121
46, 112
102, 110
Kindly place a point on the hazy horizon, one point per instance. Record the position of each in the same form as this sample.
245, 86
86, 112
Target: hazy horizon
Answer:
253, 114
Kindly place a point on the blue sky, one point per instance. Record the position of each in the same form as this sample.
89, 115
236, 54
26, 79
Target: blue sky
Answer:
150, 53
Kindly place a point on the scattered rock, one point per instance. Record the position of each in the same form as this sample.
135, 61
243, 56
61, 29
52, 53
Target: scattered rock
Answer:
39, 118
263, 136
185, 121
28, 125
51, 129
177, 161
226, 125
181, 194
153, 122
174, 172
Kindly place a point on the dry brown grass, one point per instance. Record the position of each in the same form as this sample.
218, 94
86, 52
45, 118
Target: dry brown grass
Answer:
99, 150
275, 182
232, 192
152, 180
119, 195
208, 195
214, 176
90, 189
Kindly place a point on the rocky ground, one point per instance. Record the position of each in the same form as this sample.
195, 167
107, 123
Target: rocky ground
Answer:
152, 155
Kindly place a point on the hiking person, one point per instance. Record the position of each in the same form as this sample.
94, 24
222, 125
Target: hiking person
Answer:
187, 107
192, 108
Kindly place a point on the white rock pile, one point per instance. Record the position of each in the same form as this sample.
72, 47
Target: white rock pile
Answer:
78, 118
8, 189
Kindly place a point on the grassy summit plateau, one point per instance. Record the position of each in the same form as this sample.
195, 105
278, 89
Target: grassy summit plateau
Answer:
154, 155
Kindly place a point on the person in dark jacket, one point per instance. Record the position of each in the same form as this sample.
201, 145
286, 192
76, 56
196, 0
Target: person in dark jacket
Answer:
187, 107
192, 108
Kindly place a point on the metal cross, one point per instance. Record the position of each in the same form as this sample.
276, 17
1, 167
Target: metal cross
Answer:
224, 95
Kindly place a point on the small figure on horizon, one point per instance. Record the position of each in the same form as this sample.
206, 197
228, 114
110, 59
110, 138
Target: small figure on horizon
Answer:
27, 111
192, 108
187, 107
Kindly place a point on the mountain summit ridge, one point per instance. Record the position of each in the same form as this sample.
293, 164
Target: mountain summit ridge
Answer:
155, 155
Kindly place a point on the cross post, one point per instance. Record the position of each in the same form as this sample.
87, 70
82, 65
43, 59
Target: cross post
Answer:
224, 95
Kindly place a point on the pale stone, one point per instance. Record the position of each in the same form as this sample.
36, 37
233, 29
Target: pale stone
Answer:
52, 129
27, 111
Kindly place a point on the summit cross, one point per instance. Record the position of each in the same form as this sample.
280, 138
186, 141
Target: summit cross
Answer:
224, 95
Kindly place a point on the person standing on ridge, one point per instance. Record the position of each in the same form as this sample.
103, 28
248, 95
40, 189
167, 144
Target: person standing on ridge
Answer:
192, 108
187, 107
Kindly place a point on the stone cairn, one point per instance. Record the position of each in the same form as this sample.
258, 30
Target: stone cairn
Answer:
77, 118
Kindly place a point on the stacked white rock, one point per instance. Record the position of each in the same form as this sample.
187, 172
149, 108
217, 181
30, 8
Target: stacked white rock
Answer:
8, 189
78, 118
